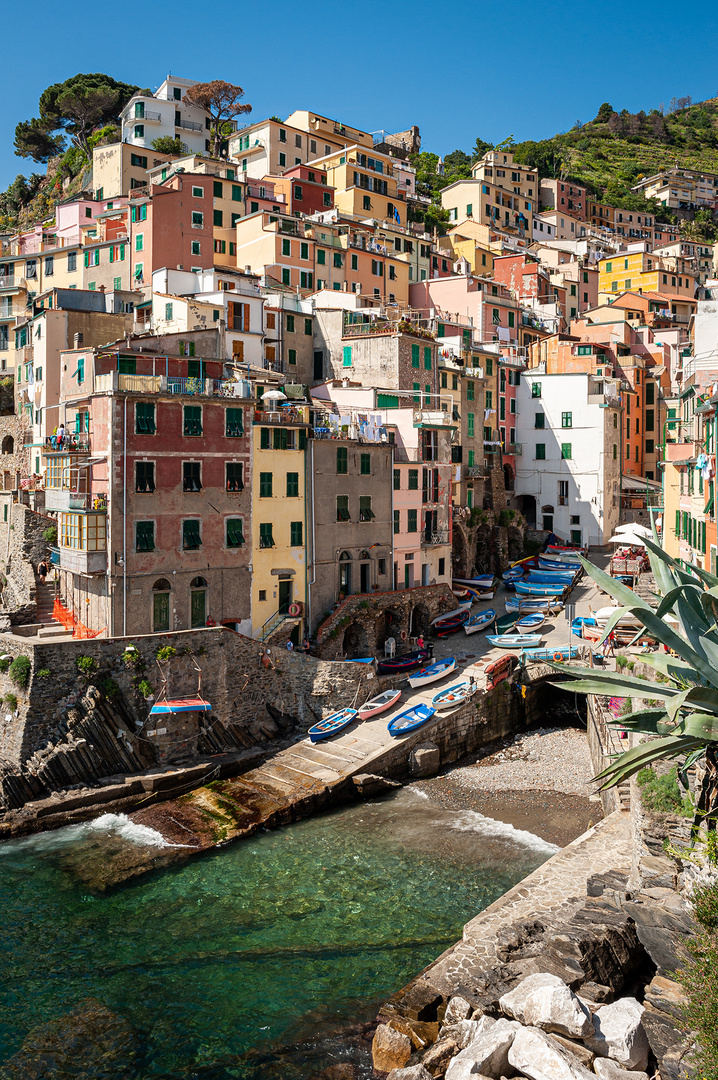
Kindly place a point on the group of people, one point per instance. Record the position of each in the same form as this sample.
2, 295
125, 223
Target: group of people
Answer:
304, 647
57, 439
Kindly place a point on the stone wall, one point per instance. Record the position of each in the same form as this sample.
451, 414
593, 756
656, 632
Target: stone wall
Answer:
603, 744
23, 546
234, 680
360, 625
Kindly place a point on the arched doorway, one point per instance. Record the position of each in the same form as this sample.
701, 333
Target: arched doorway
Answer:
508, 478
356, 642
419, 621
161, 591
387, 625
528, 509
547, 517
345, 573
8, 445
197, 603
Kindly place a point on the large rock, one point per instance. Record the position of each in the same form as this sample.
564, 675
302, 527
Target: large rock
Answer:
546, 1002
414, 1072
465, 1031
539, 1057
425, 760
438, 1056
619, 1033
487, 1055
457, 1009
606, 1069
390, 1049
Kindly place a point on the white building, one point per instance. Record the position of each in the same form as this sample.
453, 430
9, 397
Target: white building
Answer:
568, 473
166, 113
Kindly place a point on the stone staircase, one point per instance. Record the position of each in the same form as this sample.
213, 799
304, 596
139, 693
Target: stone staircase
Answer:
45, 599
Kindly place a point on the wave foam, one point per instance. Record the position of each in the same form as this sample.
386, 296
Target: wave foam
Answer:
472, 821
57, 839
130, 830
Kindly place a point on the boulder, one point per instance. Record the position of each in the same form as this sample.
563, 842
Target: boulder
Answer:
619, 1033
606, 1069
584, 1055
438, 1056
486, 1055
457, 1009
414, 1072
390, 1049
425, 760
544, 1001
536, 1055
465, 1031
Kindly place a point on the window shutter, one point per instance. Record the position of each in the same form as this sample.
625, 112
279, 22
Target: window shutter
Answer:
246, 318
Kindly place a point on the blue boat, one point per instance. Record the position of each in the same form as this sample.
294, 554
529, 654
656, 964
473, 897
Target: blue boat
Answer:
479, 621
513, 573
526, 588
410, 720
451, 622
537, 603
395, 665
359, 660
578, 624
555, 652
532, 621
552, 577
558, 564
434, 671
332, 724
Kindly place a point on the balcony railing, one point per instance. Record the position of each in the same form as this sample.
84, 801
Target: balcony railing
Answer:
473, 471
8, 281
293, 415
426, 418
69, 444
514, 448
147, 115
189, 125
440, 536
163, 384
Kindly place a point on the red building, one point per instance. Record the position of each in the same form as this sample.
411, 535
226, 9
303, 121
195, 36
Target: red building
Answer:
172, 226
305, 189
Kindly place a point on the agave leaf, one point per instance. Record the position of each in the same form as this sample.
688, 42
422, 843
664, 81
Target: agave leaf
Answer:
710, 650
671, 598
612, 682
663, 567
680, 577
614, 588
706, 577
690, 761
709, 597
663, 633
643, 725
632, 761
698, 725
669, 666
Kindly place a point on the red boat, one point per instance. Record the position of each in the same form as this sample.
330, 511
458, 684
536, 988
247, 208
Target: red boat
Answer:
453, 622
500, 669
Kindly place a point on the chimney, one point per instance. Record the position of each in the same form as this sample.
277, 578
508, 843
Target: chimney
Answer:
77, 341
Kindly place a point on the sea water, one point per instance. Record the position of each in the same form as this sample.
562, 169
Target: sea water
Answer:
256, 960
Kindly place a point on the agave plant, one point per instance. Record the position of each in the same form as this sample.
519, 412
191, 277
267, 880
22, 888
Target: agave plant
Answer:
684, 723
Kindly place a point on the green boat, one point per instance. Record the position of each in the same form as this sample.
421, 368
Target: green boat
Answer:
506, 622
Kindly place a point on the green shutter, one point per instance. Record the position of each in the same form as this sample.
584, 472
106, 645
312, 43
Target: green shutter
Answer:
427, 357
347, 356
415, 359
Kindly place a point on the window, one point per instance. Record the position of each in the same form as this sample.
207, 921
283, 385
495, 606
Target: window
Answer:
191, 476
411, 521
308, 327
234, 479
365, 511
306, 280
193, 419
168, 312
139, 131
290, 318
191, 534
415, 356
650, 419
355, 262
295, 534
217, 218
469, 391
145, 536
292, 358
145, 418
650, 446
72, 261
365, 464
322, 257
282, 160
196, 247
397, 522
539, 420
470, 424
234, 534
234, 423
536, 390
413, 479
566, 419
347, 356
197, 218
615, 452
343, 508
563, 493
265, 485
144, 476
341, 459
566, 451
266, 540
541, 451
397, 480
427, 358
650, 393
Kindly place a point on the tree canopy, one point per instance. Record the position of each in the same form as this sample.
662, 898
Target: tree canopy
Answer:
76, 106
223, 101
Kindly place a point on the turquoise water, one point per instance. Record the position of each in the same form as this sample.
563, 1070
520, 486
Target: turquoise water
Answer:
252, 961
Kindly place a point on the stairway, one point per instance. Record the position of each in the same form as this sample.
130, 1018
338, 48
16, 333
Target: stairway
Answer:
45, 599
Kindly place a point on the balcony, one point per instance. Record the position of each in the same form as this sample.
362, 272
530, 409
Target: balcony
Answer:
65, 499
153, 117
425, 418
441, 536
515, 448
189, 125
403, 454
119, 382
71, 444
83, 562
292, 415
474, 471
9, 281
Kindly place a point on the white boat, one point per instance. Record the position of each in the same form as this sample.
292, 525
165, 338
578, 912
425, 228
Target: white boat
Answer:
514, 641
525, 604
561, 557
447, 614
454, 695
531, 621
433, 672
480, 621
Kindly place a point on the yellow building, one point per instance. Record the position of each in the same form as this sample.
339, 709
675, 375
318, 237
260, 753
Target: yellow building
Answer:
501, 193
279, 518
365, 185
644, 272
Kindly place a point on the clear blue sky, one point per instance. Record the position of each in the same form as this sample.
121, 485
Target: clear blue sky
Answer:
457, 69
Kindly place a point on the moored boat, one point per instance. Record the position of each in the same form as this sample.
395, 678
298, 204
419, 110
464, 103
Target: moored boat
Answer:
463, 606
408, 662
379, 704
481, 581
537, 603
532, 621
553, 652
525, 588
332, 724
514, 641
506, 622
479, 621
410, 720
454, 695
551, 577
513, 573
433, 672
453, 622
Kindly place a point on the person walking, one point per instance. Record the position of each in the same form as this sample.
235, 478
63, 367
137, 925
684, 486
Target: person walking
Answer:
42, 571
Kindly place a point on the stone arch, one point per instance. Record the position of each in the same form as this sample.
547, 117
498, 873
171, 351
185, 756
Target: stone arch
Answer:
419, 621
8, 445
162, 585
387, 625
356, 641
198, 583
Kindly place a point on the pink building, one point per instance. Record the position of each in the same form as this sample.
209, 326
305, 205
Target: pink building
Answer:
487, 306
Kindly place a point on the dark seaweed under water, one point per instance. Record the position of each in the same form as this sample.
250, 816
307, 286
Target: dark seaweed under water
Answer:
253, 962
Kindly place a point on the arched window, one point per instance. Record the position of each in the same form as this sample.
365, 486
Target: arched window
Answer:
161, 585
547, 509
198, 583
345, 557
8, 445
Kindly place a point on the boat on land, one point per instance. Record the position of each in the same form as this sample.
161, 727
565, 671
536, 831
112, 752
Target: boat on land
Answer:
500, 669
562, 555
481, 581
332, 724
464, 594
532, 621
514, 641
433, 672
465, 605
513, 573
410, 720
395, 665
524, 604
479, 621
379, 704
454, 695
560, 564
526, 588
506, 622
180, 705
452, 622
554, 652
551, 577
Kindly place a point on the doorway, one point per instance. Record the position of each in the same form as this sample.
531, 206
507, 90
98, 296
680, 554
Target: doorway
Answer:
425, 574
318, 365
198, 608
364, 577
160, 612
285, 595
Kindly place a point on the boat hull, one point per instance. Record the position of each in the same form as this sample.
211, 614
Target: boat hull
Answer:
531, 622
410, 720
480, 621
332, 724
452, 624
523, 588
454, 695
526, 604
433, 673
398, 664
556, 653
514, 641
379, 704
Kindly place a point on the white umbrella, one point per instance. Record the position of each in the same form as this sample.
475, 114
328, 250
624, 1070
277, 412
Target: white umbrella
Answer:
639, 530
274, 395
627, 538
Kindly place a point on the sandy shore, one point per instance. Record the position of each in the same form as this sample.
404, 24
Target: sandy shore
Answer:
539, 781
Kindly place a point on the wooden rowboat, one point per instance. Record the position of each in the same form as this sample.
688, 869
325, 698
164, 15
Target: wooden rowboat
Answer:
332, 724
410, 720
454, 695
379, 704
433, 672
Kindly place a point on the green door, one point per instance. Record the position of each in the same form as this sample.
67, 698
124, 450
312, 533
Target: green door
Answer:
285, 596
407, 576
198, 608
160, 612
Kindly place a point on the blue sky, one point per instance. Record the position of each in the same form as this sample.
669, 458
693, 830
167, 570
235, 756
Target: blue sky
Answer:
457, 69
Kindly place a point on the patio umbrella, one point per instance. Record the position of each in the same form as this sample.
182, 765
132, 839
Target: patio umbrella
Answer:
630, 539
636, 529
274, 395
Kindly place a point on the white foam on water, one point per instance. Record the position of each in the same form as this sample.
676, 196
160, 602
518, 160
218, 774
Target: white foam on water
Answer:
130, 830
416, 791
120, 824
472, 821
